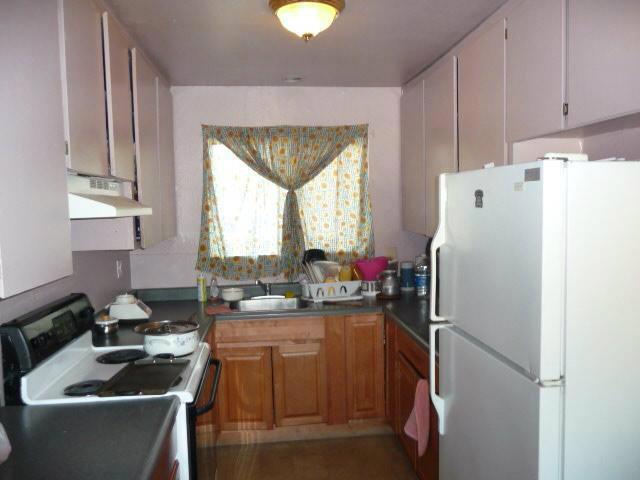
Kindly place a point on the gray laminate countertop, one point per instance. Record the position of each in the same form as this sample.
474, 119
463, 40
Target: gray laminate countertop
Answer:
160, 310
409, 311
105, 440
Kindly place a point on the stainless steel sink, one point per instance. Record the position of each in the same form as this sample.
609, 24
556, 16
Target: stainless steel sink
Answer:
270, 303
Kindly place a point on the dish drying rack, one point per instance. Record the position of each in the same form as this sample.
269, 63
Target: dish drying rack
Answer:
334, 291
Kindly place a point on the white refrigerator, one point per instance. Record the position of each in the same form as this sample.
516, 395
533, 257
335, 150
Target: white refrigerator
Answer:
538, 322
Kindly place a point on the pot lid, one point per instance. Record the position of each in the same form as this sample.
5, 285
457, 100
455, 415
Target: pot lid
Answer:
166, 327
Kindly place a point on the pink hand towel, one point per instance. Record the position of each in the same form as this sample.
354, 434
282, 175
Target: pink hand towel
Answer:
417, 426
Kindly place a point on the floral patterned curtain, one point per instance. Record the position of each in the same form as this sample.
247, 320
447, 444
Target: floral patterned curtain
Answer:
291, 158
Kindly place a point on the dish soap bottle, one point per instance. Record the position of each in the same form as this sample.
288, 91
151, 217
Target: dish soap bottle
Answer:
214, 290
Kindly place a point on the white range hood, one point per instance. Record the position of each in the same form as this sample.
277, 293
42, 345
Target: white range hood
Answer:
96, 197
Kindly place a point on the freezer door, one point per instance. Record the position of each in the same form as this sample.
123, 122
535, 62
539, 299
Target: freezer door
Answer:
502, 253
500, 425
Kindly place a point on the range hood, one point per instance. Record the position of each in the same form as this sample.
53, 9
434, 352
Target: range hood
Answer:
96, 197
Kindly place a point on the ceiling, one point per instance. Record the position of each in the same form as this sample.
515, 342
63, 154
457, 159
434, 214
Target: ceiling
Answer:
240, 42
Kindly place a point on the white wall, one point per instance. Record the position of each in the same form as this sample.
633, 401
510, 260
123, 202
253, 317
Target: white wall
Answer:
94, 273
172, 262
621, 141
619, 137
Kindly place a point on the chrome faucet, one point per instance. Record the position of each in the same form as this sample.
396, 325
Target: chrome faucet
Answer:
265, 286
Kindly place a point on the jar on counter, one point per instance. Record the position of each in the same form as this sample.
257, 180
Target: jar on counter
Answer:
407, 274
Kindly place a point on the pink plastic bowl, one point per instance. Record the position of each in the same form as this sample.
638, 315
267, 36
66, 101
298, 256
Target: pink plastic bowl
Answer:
371, 267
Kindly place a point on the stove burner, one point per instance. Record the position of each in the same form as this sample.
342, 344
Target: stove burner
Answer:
83, 389
121, 356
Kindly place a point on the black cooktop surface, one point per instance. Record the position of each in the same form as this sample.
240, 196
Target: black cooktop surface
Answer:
122, 356
83, 389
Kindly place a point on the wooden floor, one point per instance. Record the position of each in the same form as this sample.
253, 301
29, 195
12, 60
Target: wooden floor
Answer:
372, 458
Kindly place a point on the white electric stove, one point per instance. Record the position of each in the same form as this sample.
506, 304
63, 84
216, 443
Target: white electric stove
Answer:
57, 363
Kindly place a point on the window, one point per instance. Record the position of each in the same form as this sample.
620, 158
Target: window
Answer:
243, 211
250, 206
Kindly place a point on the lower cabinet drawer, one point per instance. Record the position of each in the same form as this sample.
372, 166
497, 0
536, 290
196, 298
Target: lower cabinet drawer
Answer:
413, 353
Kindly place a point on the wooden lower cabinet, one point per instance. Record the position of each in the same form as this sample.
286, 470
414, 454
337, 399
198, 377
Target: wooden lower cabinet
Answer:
405, 386
245, 396
364, 337
297, 371
428, 464
407, 363
299, 384
390, 372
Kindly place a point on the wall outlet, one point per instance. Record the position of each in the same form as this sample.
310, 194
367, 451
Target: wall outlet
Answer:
118, 268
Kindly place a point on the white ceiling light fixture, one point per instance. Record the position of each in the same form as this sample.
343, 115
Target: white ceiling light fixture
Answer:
306, 18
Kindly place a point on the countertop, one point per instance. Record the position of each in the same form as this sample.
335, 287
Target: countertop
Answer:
409, 311
160, 310
106, 440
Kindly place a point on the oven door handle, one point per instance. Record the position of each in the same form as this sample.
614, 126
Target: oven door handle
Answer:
214, 388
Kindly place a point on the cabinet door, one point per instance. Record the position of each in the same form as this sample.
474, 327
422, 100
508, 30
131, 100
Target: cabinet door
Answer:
299, 383
428, 464
146, 134
603, 60
165, 160
405, 385
390, 371
245, 393
535, 69
365, 366
441, 125
35, 243
118, 88
481, 100
83, 87
414, 206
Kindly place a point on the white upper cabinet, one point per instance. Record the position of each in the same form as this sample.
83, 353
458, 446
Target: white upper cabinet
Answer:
440, 107
118, 88
603, 59
414, 200
146, 134
535, 69
165, 160
481, 100
35, 244
83, 87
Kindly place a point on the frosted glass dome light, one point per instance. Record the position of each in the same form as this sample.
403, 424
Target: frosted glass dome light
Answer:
306, 18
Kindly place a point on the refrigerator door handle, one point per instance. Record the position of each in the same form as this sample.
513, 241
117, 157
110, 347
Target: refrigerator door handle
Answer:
438, 401
439, 239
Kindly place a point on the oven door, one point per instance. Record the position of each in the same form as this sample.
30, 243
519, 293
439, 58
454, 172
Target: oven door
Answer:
203, 403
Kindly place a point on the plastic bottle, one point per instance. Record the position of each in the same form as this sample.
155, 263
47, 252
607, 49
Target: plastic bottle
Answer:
421, 278
214, 290
202, 287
